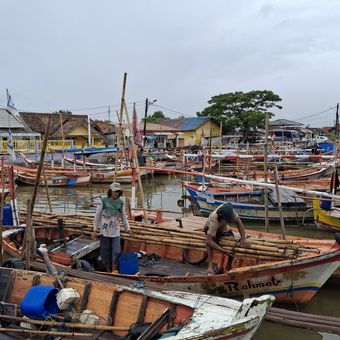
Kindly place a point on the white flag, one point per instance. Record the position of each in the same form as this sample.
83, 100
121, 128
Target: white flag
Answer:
10, 146
10, 103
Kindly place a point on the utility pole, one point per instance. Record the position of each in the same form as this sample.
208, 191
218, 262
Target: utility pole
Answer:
109, 112
265, 163
145, 116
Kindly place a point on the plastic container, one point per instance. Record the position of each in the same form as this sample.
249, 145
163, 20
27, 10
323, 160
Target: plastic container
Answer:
326, 204
128, 264
66, 297
8, 217
40, 302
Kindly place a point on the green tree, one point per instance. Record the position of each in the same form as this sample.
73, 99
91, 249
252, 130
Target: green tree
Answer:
244, 111
156, 117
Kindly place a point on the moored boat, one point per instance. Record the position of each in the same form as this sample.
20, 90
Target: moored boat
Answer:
326, 215
55, 180
250, 204
293, 271
174, 315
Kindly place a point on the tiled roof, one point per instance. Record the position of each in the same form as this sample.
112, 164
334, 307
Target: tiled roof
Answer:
104, 128
185, 124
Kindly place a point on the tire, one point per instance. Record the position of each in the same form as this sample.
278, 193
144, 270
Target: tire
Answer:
188, 260
13, 263
83, 266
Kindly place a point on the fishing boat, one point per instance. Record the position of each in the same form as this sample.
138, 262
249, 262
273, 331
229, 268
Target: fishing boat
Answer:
250, 204
120, 309
326, 215
55, 180
292, 270
121, 176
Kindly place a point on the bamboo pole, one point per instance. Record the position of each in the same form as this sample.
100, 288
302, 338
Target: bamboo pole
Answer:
133, 146
47, 192
35, 332
41, 161
120, 117
28, 236
282, 222
67, 324
63, 140
265, 164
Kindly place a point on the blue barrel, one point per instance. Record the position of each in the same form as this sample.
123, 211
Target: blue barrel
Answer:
326, 204
128, 264
40, 302
8, 217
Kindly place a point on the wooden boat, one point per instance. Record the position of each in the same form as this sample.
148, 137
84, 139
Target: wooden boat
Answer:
92, 165
67, 247
291, 277
250, 204
216, 188
122, 176
329, 218
171, 314
55, 180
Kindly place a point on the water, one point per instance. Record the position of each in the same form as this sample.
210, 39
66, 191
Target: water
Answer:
164, 192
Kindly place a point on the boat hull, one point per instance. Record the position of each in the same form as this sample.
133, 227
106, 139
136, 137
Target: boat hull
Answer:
289, 281
255, 212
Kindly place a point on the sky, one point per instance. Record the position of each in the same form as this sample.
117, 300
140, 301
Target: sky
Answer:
72, 54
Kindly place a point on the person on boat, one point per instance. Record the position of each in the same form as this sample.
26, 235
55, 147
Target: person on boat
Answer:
110, 211
217, 226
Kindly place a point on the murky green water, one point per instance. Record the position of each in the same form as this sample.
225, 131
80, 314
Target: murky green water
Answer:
164, 192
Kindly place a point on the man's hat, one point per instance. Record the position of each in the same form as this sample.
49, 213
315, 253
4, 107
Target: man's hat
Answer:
115, 187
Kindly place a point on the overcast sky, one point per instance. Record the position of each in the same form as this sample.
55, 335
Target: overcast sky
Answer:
71, 54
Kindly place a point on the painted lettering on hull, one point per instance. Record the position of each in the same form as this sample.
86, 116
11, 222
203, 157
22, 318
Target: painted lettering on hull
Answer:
235, 286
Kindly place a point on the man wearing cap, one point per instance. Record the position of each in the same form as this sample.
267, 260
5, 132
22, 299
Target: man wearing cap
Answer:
217, 226
109, 211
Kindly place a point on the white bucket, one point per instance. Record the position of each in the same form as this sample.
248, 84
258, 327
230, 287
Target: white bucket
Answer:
66, 297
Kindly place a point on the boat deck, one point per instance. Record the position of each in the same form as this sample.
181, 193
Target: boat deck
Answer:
169, 267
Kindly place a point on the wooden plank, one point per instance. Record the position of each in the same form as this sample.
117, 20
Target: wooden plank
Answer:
36, 280
86, 294
142, 309
9, 276
156, 326
99, 295
154, 309
79, 286
113, 307
22, 283
127, 310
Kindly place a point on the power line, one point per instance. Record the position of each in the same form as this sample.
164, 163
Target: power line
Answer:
315, 114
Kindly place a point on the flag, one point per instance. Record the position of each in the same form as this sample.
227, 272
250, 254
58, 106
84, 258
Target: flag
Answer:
10, 103
137, 133
10, 146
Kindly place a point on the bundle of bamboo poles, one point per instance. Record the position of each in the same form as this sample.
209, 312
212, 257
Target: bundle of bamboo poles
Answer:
263, 249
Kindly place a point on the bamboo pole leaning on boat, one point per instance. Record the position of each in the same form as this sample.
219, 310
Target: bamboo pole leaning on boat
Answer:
282, 222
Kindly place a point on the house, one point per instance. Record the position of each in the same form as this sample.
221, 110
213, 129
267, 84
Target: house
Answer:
107, 130
289, 130
67, 130
193, 129
24, 139
158, 135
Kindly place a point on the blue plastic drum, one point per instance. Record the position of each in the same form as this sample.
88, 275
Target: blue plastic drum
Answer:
128, 264
8, 217
40, 302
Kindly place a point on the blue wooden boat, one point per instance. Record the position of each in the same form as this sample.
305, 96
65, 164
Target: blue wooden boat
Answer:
250, 205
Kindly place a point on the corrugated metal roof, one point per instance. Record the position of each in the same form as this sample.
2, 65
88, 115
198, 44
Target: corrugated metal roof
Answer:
185, 124
7, 120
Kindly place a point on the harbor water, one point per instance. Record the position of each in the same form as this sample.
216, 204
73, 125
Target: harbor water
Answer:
164, 192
